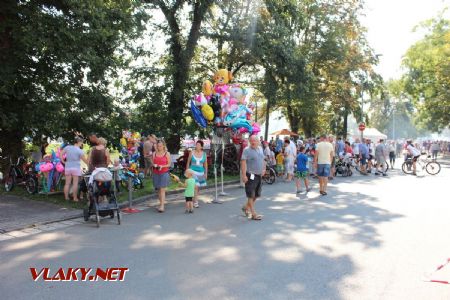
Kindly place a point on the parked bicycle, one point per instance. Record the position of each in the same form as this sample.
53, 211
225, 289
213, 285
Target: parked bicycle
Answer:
270, 175
424, 162
21, 173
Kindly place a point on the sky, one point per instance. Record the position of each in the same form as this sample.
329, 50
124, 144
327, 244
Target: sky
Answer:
390, 24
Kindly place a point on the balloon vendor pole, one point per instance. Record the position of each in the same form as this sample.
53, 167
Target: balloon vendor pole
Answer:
222, 193
130, 209
215, 174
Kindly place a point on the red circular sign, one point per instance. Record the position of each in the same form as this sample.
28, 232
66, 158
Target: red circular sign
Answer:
362, 126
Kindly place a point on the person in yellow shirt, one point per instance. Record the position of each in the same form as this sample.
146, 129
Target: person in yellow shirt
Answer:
280, 163
322, 162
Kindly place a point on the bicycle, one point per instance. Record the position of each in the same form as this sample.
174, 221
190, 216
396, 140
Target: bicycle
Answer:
21, 173
423, 163
270, 175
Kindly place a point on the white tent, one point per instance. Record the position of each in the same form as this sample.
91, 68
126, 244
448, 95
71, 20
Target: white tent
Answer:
372, 133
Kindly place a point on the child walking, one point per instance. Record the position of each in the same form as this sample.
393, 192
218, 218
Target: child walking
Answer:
189, 192
280, 163
302, 171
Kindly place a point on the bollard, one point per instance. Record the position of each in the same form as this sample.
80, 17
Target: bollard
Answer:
222, 193
130, 208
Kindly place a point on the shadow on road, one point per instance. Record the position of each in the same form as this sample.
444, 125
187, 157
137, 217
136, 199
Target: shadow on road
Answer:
299, 250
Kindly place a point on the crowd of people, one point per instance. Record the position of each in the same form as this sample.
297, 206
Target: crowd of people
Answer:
368, 156
296, 160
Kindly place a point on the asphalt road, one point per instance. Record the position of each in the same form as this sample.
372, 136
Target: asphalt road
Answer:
370, 238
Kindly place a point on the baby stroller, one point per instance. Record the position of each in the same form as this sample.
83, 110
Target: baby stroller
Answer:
101, 186
343, 166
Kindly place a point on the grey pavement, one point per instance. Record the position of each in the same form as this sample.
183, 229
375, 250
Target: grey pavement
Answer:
17, 212
370, 238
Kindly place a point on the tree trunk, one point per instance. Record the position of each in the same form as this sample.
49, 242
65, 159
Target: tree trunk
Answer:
345, 127
266, 133
182, 57
292, 118
307, 127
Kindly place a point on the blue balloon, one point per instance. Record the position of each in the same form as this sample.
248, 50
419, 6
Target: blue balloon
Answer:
240, 123
197, 115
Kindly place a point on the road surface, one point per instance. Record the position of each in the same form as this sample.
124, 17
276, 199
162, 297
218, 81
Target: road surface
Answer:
370, 238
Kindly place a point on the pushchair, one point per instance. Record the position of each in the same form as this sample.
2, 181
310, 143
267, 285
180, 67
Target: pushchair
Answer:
97, 191
343, 166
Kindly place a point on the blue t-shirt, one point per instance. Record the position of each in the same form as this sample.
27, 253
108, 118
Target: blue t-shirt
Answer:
302, 162
279, 145
363, 149
340, 146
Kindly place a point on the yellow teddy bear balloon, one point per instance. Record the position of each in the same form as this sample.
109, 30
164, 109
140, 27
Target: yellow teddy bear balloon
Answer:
208, 112
223, 76
123, 142
207, 88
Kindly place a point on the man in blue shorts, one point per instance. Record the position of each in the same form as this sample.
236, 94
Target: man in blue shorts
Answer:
322, 162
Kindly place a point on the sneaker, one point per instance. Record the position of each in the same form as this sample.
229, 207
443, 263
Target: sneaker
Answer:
196, 205
191, 211
186, 211
377, 173
299, 191
384, 174
308, 190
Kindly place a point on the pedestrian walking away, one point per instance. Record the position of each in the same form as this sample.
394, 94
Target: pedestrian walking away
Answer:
253, 167
322, 161
380, 156
301, 174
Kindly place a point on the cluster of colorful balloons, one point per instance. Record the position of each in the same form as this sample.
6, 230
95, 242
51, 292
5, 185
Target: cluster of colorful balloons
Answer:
224, 104
52, 168
130, 143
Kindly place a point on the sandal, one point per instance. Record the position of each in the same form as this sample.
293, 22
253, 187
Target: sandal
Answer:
257, 217
245, 211
160, 210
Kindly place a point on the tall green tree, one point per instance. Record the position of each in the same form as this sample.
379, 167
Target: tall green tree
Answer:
57, 60
182, 44
428, 74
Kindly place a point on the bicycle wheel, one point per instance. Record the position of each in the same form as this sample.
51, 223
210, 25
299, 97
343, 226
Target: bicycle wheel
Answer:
433, 168
272, 175
10, 181
31, 185
407, 167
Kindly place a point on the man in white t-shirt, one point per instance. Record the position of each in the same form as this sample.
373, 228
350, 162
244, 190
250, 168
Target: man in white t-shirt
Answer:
415, 153
322, 162
289, 156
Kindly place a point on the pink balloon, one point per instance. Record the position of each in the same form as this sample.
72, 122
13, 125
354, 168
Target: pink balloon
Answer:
232, 101
256, 128
47, 167
59, 167
243, 130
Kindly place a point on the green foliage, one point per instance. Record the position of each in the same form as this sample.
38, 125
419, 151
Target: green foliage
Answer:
428, 75
58, 59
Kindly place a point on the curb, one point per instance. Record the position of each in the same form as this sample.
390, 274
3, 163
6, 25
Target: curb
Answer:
124, 204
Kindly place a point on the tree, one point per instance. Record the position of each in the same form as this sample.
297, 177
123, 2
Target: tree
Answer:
428, 78
182, 50
57, 60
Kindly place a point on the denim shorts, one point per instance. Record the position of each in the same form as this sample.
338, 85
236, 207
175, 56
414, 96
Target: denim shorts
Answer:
323, 170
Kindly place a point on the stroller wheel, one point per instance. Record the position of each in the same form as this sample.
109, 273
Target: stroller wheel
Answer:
86, 214
97, 218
